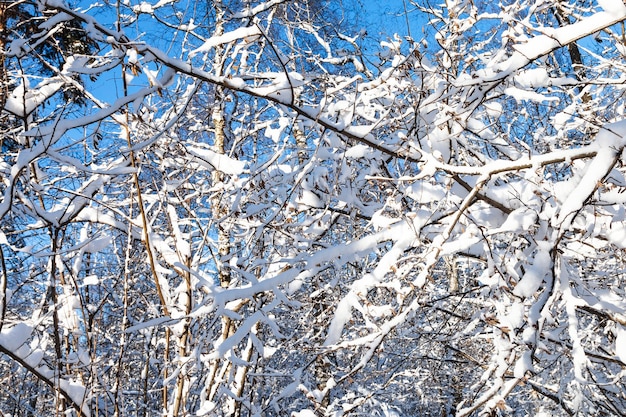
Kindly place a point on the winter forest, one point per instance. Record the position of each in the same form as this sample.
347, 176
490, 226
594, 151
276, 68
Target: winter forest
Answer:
268, 208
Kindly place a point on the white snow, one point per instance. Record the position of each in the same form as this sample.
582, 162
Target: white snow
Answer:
67, 312
579, 357
303, 413
358, 151
98, 245
91, 280
613, 6
609, 141
282, 86
494, 109
521, 95
515, 316
523, 365
25, 99
77, 392
220, 162
518, 220
34, 357
620, 343
535, 273
381, 221
309, 199
11, 338
143, 7
426, 191
248, 34
465, 241
343, 314
223, 348
533, 78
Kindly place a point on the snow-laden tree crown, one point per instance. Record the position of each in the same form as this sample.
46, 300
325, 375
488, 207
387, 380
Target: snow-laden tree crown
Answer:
258, 208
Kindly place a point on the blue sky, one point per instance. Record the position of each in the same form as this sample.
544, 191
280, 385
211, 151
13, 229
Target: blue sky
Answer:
387, 17
381, 19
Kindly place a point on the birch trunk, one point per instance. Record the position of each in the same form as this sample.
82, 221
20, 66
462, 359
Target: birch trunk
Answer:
219, 209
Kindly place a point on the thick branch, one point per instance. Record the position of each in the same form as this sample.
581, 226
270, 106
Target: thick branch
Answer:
46, 380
